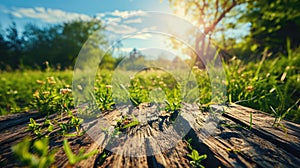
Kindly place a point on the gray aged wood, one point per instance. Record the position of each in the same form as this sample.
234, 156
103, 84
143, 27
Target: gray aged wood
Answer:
225, 134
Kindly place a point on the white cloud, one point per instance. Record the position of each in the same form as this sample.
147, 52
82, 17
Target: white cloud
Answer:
139, 20
47, 15
113, 20
141, 36
127, 14
120, 28
56, 15
117, 22
16, 14
100, 15
40, 9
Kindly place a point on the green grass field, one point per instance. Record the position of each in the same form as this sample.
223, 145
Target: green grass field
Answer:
19, 87
270, 85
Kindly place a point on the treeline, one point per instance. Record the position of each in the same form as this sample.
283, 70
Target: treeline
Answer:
274, 26
58, 44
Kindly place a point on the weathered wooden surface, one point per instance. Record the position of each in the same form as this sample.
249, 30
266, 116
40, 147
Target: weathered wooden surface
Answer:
260, 145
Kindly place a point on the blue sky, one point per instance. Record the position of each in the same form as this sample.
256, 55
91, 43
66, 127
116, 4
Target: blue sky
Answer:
123, 17
55, 11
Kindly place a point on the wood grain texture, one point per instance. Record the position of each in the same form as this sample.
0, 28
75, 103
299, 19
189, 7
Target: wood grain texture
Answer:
225, 136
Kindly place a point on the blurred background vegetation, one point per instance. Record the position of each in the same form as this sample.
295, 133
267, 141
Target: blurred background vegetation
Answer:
58, 44
262, 66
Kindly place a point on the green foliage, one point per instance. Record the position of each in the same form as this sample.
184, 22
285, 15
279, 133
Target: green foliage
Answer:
138, 96
204, 86
16, 93
260, 85
100, 160
173, 108
51, 97
49, 125
196, 158
108, 62
213, 18
73, 122
103, 94
38, 157
235, 151
278, 20
12, 48
155, 86
174, 105
131, 124
73, 158
194, 155
268, 83
35, 127
58, 44
126, 122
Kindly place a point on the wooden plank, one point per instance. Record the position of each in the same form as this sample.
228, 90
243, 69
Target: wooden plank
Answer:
287, 139
16, 119
232, 143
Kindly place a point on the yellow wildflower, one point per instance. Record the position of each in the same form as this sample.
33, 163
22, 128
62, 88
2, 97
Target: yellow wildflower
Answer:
40, 82
108, 86
65, 91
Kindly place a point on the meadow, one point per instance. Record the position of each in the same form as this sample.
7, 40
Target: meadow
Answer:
271, 85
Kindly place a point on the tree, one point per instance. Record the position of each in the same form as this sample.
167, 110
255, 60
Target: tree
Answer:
39, 44
75, 33
60, 44
3, 52
108, 62
207, 15
14, 46
272, 23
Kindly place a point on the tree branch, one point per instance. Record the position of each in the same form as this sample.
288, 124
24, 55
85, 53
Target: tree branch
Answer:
211, 28
217, 8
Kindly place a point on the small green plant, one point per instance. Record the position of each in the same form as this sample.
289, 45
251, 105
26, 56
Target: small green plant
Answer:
196, 158
73, 159
235, 151
103, 97
65, 127
138, 94
38, 157
277, 120
279, 115
173, 108
73, 122
35, 127
50, 98
194, 155
48, 123
131, 124
101, 158
126, 122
